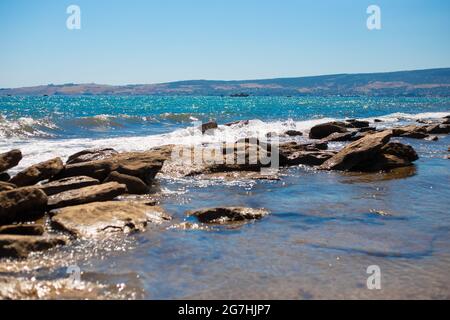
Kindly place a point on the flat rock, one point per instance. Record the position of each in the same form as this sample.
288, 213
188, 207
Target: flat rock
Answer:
227, 214
23, 229
20, 246
10, 159
91, 155
100, 218
292, 154
5, 186
66, 184
323, 130
102, 192
38, 172
358, 152
22, 203
134, 184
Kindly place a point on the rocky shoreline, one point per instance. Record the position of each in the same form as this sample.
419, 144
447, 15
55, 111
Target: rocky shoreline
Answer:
53, 203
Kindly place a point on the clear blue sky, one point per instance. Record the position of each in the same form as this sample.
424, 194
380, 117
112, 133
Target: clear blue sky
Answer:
148, 41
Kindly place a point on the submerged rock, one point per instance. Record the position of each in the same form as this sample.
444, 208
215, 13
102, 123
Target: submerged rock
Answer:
23, 229
10, 159
227, 214
5, 186
100, 218
20, 246
91, 155
66, 184
38, 172
323, 130
102, 192
22, 203
134, 185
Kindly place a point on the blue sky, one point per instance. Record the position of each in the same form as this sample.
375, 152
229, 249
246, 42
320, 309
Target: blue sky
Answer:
149, 41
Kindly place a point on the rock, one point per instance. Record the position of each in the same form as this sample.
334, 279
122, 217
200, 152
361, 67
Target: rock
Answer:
102, 192
19, 246
66, 184
337, 136
91, 155
5, 186
377, 120
100, 218
411, 131
432, 138
144, 165
240, 123
400, 150
211, 125
134, 185
10, 159
353, 123
23, 229
22, 203
293, 133
325, 129
438, 129
227, 214
292, 154
358, 152
367, 129
5, 177
38, 172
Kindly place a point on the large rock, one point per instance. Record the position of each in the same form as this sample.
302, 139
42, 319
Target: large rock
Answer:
358, 152
323, 130
144, 165
19, 246
438, 129
23, 229
227, 214
100, 218
21, 204
5, 186
66, 184
10, 159
134, 185
292, 154
400, 150
91, 155
102, 192
38, 172
410, 131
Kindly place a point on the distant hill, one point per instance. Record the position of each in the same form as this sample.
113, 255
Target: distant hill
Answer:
431, 82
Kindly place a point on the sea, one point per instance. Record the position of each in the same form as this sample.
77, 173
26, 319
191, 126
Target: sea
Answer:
326, 232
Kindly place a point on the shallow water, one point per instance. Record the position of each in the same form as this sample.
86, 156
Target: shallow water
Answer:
324, 230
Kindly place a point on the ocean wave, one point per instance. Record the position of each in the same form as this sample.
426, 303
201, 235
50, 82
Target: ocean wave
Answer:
26, 128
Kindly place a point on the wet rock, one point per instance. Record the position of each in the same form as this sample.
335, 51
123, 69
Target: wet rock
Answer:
293, 133
144, 165
227, 214
23, 229
66, 184
400, 150
240, 123
292, 154
211, 125
21, 204
438, 129
38, 172
134, 185
377, 120
367, 129
337, 136
102, 192
10, 159
411, 131
91, 155
325, 129
102, 218
19, 246
353, 123
5, 177
432, 138
358, 152
5, 186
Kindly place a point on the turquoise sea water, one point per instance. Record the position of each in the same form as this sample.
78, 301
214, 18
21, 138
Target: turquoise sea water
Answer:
324, 229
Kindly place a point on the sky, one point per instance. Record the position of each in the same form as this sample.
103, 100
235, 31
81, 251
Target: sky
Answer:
152, 41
